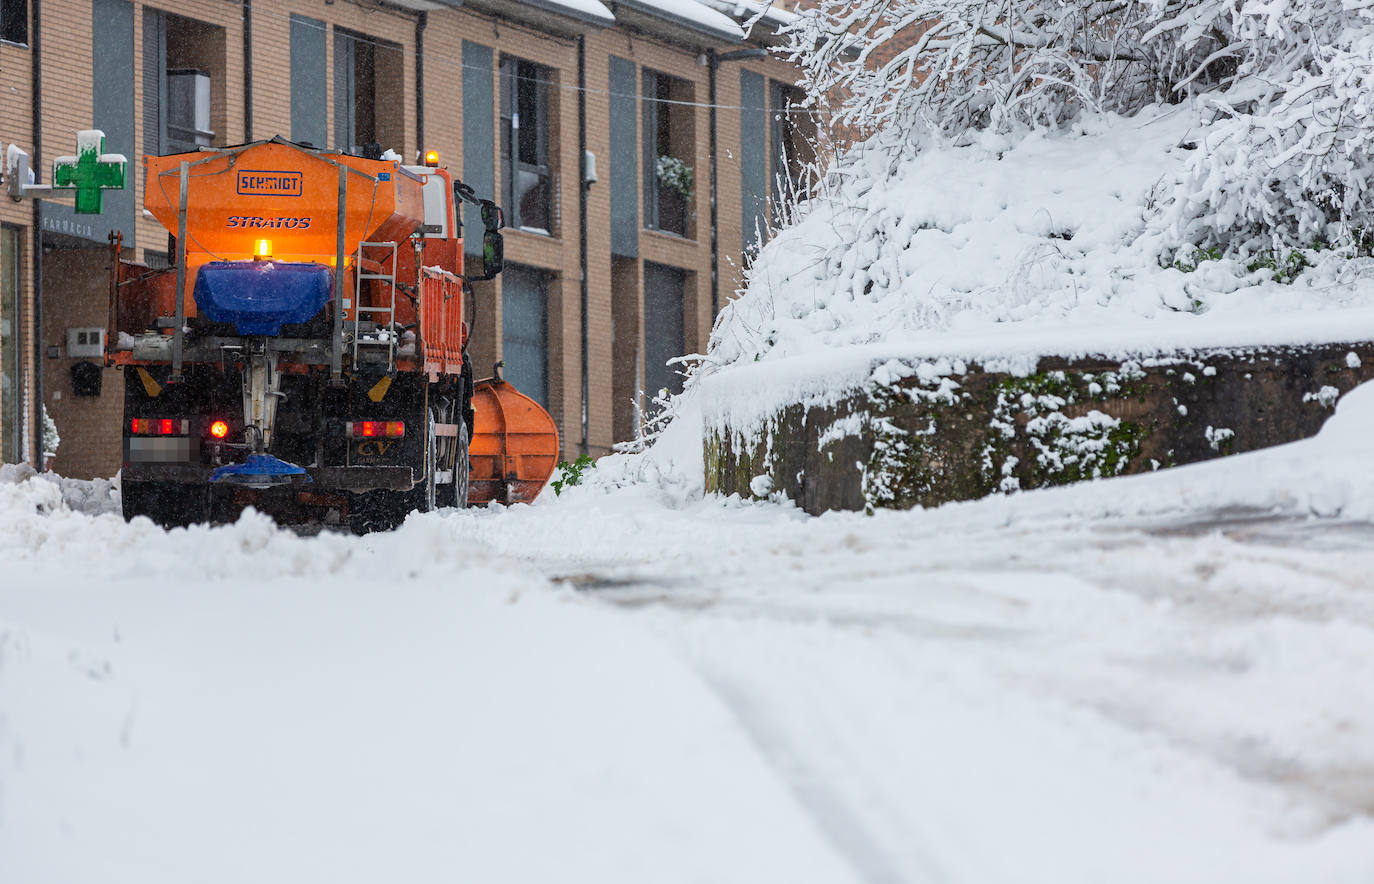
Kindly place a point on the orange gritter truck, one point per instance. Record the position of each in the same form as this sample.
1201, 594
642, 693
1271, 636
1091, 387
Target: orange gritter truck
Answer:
306, 352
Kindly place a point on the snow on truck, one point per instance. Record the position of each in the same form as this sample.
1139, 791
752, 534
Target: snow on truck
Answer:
306, 352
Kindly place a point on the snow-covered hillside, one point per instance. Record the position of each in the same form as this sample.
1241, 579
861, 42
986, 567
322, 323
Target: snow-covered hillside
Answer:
1018, 234
1142, 170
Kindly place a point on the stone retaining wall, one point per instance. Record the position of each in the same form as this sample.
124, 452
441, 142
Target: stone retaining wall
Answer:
919, 436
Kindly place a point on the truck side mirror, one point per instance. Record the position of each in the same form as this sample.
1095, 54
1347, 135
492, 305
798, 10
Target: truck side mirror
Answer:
493, 218
493, 254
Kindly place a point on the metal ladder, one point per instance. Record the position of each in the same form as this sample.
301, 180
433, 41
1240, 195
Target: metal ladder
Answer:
389, 311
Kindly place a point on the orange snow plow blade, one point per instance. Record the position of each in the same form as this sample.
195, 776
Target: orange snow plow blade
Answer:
514, 445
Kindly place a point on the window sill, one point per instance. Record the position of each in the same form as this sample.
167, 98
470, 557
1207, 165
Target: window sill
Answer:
14, 45
676, 237
531, 232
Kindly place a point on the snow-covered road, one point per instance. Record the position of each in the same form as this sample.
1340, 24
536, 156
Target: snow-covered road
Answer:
1165, 678
984, 696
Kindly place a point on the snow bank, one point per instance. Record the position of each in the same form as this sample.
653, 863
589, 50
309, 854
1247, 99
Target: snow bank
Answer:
1038, 234
1318, 477
1094, 678
1187, 705
223, 704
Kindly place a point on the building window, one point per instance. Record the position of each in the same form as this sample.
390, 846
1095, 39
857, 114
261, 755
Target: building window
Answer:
669, 148
188, 110
14, 21
525, 330
368, 102
183, 83
526, 136
11, 390
309, 95
664, 298
790, 152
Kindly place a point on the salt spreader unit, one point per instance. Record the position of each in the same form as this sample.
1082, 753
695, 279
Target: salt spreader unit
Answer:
306, 352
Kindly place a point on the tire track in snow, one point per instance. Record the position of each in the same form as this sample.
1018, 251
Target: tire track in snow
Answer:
832, 813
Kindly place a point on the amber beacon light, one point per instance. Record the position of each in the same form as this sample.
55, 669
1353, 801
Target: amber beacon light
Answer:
431, 158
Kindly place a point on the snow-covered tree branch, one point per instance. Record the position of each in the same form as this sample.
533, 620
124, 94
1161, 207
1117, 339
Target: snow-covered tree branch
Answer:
1283, 88
1284, 152
969, 63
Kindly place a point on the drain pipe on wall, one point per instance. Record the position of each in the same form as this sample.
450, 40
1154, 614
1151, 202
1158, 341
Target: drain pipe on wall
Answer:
421, 22
713, 66
247, 71
36, 59
582, 185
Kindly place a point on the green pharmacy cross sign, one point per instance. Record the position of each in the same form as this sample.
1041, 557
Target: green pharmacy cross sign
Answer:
90, 171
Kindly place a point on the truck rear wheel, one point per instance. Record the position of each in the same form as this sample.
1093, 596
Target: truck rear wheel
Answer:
371, 511
423, 494
168, 504
386, 510
455, 493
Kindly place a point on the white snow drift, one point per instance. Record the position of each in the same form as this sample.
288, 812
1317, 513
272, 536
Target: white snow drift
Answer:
1155, 678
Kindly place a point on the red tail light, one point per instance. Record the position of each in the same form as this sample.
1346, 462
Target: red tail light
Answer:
375, 429
159, 426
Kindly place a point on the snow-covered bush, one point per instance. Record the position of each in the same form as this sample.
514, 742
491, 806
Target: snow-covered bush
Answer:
913, 236
1281, 90
1284, 145
50, 437
959, 64
1091, 164
675, 175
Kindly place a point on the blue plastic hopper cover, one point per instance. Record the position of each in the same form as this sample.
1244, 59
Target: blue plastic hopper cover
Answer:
259, 297
260, 471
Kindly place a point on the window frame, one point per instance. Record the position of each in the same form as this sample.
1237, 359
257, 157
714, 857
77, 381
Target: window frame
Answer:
527, 86
165, 35
665, 285
543, 280
20, 19
366, 120
657, 137
347, 60
783, 149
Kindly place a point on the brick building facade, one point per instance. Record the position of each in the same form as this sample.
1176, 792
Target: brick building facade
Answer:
526, 100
